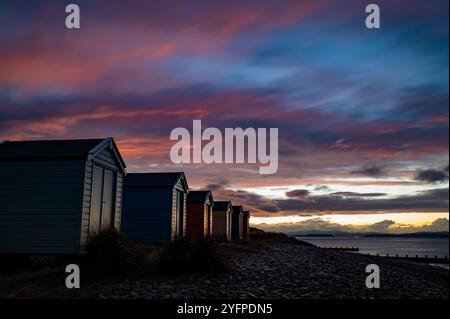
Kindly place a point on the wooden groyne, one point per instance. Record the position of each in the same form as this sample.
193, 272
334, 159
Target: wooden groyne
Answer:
417, 258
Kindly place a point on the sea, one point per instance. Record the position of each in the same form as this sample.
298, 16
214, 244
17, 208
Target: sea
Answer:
386, 245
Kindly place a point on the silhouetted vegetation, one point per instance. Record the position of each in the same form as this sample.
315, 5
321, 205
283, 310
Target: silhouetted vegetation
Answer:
258, 234
190, 256
110, 255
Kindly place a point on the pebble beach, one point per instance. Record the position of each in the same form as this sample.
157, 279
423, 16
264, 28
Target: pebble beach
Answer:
288, 270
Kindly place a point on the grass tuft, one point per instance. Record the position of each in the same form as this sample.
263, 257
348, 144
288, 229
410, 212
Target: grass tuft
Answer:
109, 254
190, 257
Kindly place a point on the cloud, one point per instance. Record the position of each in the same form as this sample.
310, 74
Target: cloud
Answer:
218, 185
432, 176
435, 200
354, 194
300, 194
371, 171
322, 188
302, 202
256, 203
381, 227
440, 224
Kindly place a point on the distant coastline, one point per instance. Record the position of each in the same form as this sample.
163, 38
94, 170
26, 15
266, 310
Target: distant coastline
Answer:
373, 235
412, 235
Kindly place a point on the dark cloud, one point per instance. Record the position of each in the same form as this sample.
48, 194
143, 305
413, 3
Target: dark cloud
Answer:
300, 194
254, 202
302, 202
432, 175
219, 184
371, 171
322, 188
435, 200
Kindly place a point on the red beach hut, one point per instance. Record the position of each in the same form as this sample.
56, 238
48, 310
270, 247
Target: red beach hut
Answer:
199, 214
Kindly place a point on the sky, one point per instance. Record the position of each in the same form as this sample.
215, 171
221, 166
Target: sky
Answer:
362, 113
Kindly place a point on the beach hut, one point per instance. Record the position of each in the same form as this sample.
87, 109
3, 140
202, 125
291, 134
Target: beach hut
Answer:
154, 207
220, 225
245, 224
236, 222
54, 193
199, 214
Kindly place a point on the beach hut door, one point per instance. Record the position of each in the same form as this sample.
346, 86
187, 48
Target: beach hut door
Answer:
101, 199
108, 197
180, 215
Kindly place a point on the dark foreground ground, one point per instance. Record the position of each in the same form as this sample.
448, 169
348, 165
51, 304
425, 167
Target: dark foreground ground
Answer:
266, 269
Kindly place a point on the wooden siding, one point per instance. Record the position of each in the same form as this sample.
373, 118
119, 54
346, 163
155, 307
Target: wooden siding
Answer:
86, 203
196, 220
219, 224
119, 195
178, 187
173, 216
147, 214
107, 159
40, 206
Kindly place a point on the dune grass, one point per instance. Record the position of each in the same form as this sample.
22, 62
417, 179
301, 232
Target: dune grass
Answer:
190, 257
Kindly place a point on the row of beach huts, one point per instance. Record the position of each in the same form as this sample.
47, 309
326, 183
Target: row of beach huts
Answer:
55, 193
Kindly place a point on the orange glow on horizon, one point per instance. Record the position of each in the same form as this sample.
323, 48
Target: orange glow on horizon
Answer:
412, 219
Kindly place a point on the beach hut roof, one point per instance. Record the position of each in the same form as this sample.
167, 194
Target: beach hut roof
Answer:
222, 205
167, 179
237, 208
200, 196
57, 149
